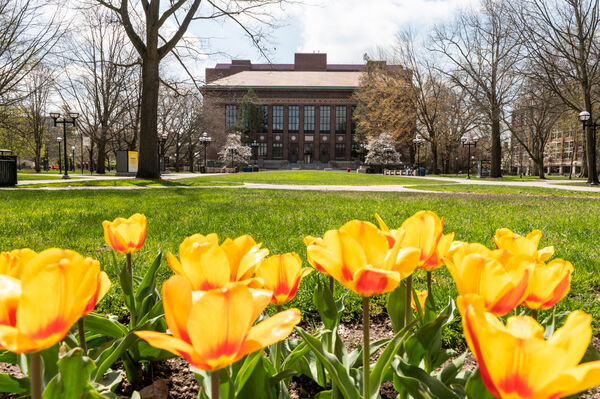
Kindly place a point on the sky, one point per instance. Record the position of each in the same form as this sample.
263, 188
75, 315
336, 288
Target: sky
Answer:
344, 29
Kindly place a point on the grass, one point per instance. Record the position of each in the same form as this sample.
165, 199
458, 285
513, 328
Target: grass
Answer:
493, 189
509, 177
280, 219
27, 177
132, 182
316, 177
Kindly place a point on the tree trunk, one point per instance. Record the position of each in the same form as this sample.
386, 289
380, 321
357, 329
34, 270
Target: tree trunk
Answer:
148, 162
101, 160
434, 157
540, 167
496, 170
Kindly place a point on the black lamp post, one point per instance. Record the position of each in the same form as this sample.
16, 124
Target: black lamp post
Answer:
231, 149
584, 117
419, 142
254, 146
81, 137
469, 142
205, 140
162, 140
64, 121
59, 139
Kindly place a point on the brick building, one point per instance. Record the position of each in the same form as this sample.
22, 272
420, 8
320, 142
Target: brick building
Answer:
308, 108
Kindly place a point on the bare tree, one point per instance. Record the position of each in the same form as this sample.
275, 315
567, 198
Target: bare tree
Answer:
533, 119
483, 50
561, 37
145, 22
27, 34
100, 79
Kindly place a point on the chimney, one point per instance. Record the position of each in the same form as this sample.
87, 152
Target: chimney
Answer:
310, 62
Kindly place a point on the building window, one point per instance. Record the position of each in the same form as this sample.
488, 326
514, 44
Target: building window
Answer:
293, 118
277, 118
556, 135
340, 150
262, 150
325, 119
265, 122
340, 119
230, 116
568, 151
352, 121
309, 118
277, 150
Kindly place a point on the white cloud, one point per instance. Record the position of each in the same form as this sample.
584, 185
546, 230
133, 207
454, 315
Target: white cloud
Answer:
346, 29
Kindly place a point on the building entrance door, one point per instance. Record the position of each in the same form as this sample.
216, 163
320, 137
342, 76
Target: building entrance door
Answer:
293, 156
308, 152
324, 157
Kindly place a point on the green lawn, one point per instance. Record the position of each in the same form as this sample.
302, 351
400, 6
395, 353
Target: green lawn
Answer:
132, 182
511, 177
489, 189
280, 219
44, 176
316, 177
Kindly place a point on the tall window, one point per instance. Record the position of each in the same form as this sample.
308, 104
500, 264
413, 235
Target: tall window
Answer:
265, 122
277, 150
340, 150
340, 119
230, 116
278, 118
293, 118
325, 119
352, 121
262, 150
568, 150
309, 118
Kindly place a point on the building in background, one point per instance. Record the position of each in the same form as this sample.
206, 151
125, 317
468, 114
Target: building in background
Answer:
308, 108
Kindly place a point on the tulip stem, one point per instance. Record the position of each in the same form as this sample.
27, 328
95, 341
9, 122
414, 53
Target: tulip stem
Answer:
133, 320
82, 342
331, 285
366, 349
429, 290
407, 307
35, 375
214, 385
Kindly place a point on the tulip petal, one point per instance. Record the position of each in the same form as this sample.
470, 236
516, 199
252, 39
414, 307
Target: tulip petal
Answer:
10, 295
270, 331
174, 264
373, 242
205, 266
369, 281
173, 345
575, 380
12, 340
573, 337
218, 324
177, 304
13, 263
549, 284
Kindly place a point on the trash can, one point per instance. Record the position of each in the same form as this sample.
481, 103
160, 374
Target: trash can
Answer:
249, 168
422, 172
8, 168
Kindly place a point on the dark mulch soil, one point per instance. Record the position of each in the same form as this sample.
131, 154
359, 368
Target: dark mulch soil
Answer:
173, 379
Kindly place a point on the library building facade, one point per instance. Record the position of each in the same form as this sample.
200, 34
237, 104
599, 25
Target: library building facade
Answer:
308, 107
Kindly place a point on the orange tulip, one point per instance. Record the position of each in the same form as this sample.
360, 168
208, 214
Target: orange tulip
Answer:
54, 291
282, 274
425, 231
421, 297
310, 240
13, 263
358, 256
213, 329
516, 362
528, 245
210, 266
500, 277
126, 235
549, 284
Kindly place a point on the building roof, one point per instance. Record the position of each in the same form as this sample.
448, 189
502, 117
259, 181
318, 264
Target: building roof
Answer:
289, 79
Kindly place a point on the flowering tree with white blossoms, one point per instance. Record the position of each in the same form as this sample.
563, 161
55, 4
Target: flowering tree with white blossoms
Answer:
241, 153
381, 151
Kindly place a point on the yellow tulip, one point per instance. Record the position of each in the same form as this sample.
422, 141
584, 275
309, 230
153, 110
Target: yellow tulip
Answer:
210, 266
421, 297
310, 240
54, 291
12, 263
500, 277
425, 231
357, 255
516, 362
282, 274
549, 284
126, 235
528, 245
213, 329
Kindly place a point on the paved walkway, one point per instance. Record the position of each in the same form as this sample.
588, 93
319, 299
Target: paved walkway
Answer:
555, 184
